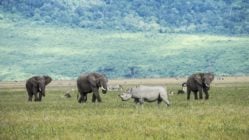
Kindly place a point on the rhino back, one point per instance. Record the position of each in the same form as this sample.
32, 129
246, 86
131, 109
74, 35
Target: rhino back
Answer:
146, 92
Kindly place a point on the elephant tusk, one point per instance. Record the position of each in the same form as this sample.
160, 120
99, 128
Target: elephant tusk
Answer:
103, 88
207, 85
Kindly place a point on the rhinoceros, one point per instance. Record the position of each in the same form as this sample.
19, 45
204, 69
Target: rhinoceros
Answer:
146, 93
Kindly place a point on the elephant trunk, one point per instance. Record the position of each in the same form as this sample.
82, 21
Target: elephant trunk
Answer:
104, 90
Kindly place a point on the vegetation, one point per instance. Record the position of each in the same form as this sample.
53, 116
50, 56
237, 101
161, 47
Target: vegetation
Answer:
123, 39
212, 16
63, 52
224, 116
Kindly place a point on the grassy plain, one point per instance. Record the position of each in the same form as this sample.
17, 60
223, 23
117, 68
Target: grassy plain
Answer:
224, 116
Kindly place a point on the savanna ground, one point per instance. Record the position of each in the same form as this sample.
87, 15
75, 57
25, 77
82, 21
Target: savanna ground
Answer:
224, 116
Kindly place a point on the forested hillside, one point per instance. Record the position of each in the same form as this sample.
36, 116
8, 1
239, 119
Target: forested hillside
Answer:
28, 49
165, 16
123, 38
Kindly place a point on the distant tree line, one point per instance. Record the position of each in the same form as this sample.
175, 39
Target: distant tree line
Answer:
186, 16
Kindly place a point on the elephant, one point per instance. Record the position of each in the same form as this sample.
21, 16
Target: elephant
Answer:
199, 82
91, 82
36, 86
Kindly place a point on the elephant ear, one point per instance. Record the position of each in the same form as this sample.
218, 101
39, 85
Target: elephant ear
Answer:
47, 79
198, 78
211, 76
98, 82
92, 80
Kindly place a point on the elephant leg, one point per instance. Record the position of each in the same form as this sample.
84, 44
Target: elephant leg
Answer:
188, 93
36, 97
35, 94
30, 94
84, 97
196, 96
80, 98
97, 96
206, 94
39, 96
94, 98
200, 94
30, 98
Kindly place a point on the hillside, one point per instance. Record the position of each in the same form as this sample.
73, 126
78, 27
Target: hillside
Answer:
165, 16
63, 52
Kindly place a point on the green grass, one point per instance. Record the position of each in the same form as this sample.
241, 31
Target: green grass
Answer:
28, 49
224, 116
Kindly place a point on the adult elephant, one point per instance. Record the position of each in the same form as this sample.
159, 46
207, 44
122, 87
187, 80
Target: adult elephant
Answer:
91, 82
36, 85
199, 82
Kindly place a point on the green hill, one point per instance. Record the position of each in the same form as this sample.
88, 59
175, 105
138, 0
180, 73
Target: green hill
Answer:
27, 48
165, 16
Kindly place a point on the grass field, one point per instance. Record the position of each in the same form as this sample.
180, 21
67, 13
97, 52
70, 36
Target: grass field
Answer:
224, 116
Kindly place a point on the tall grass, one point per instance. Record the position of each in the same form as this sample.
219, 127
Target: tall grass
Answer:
224, 116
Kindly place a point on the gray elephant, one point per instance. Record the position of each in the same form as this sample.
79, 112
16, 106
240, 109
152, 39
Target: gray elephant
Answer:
91, 82
36, 85
199, 82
